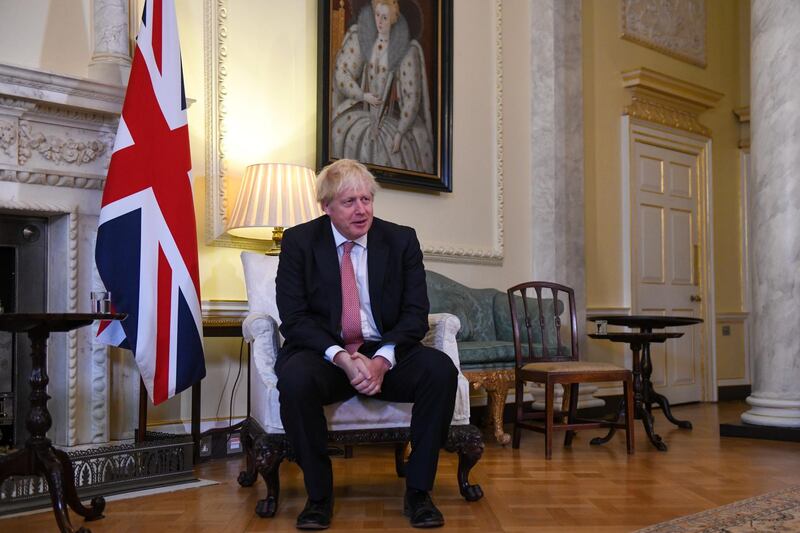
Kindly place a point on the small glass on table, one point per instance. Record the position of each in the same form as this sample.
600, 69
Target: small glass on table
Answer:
101, 302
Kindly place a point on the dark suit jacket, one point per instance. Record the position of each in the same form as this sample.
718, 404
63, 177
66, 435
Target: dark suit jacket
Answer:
309, 293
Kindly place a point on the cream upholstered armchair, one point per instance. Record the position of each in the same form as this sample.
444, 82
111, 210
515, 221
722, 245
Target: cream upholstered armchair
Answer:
359, 420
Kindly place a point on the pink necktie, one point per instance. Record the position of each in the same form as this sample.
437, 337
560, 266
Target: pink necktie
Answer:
351, 307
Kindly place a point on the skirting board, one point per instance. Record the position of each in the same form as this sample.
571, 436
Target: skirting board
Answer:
750, 431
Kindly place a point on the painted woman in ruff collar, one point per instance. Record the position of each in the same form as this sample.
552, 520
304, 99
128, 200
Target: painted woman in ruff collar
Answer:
380, 103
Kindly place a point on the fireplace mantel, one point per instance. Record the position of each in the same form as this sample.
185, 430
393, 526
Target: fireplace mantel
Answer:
56, 138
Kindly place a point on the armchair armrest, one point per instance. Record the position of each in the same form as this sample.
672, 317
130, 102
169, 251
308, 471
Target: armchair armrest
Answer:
442, 331
262, 331
442, 335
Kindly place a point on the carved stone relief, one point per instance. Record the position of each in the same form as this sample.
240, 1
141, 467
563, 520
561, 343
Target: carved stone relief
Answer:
8, 137
673, 27
67, 150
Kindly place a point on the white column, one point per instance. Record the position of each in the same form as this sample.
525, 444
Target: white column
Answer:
557, 198
557, 145
111, 60
775, 213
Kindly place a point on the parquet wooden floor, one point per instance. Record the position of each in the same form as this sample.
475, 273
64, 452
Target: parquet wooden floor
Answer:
597, 489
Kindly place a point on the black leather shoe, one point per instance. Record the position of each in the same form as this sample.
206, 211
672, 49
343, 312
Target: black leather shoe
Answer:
316, 515
420, 510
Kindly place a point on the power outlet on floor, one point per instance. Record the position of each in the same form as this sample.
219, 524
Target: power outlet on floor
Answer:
234, 443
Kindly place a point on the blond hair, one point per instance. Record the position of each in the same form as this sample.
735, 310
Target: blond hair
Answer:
394, 8
342, 175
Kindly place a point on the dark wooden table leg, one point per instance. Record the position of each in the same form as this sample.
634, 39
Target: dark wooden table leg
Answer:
44, 459
642, 386
95, 510
612, 430
663, 402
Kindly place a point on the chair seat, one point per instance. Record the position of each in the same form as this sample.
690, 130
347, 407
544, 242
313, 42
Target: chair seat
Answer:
567, 367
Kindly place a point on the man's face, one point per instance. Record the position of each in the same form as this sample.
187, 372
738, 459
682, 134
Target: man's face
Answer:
351, 212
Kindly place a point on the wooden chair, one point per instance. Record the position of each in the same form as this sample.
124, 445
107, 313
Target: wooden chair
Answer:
549, 355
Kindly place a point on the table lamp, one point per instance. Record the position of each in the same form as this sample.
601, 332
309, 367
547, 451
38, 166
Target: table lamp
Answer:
273, 196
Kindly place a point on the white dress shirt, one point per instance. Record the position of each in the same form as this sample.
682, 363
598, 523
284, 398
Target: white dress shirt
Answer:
358, 255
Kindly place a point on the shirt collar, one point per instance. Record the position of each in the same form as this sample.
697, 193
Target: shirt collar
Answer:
339, 239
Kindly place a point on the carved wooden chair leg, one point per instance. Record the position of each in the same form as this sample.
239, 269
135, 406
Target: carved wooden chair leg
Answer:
269, 456
548, 420
249, 475
400, 459
518, 411
629, 416
570, 406
467, 442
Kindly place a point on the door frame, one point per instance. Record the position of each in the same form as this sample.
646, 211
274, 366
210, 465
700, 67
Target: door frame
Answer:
635, 130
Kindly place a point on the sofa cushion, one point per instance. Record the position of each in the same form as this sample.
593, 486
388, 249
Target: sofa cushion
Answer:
473, 307
485, 352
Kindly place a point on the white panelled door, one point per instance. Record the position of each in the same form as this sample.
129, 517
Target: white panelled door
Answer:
665, 249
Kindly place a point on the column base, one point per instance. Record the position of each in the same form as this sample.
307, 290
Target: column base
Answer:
772, 412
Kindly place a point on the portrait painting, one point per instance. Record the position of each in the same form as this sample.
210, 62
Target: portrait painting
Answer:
385, 88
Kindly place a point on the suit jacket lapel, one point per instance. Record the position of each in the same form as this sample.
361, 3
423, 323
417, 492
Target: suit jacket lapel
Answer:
377, 256
328, 263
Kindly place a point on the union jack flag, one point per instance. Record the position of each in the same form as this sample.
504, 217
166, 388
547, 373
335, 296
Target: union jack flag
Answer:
146, 250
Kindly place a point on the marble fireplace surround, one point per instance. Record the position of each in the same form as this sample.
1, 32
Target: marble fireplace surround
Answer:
56, 137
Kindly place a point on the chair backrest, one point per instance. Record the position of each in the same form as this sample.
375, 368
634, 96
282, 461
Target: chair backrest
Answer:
538, 307
259, 279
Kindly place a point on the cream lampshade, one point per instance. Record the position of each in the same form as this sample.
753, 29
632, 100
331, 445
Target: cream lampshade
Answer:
273, 196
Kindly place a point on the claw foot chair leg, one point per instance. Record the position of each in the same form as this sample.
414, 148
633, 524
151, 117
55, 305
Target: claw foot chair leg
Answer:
467, 442
269, 455
249, 475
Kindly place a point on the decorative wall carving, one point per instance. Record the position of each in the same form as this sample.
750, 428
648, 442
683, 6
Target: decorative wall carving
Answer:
51, 180
673, 27
66, 151
669, 101
665, 115
8, 137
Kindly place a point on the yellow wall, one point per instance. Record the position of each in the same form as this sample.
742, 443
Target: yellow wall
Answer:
605, 56
271, 116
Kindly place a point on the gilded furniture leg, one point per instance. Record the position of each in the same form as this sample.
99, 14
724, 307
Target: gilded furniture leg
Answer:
496, 383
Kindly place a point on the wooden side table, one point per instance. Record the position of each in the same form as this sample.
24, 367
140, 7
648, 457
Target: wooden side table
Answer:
644, 392
39, 457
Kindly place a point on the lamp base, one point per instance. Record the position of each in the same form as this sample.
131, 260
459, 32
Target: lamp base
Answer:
277, 236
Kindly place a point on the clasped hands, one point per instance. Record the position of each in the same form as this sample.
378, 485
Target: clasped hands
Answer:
365, 374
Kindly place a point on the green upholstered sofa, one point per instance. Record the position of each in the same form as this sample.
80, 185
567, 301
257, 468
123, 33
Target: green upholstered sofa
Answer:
485, 343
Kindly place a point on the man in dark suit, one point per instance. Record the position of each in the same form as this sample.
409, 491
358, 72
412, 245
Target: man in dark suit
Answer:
354, 307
